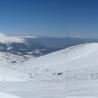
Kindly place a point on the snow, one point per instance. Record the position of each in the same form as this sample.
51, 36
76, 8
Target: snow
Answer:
5, 95
76, 60
73, 58
49, 89
8, 75
81, 97
8, 72
34, 78
75, 63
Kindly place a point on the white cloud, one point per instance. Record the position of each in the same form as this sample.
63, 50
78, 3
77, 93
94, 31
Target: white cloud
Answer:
10, 39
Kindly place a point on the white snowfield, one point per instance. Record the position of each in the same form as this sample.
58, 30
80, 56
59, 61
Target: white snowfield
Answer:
81, 58
7, 75
15, 78
8, 72
11, 71
81, 97
75, 58
5, 95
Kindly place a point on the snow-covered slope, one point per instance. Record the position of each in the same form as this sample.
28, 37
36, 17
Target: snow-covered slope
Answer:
8, 65
77, 58
6, 95
81, 58
43, 71
9, 74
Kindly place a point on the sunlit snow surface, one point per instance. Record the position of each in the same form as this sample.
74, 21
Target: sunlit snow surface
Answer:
56, 89
80, 97
36, 79
5, 95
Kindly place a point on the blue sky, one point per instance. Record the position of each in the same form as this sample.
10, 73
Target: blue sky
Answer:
57, 18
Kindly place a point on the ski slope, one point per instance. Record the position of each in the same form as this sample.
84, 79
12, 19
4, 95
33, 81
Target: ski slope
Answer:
15, 78
79, 58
